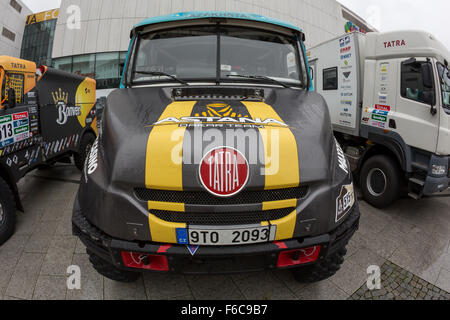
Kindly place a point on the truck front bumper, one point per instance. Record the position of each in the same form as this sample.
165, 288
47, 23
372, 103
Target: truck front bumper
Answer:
210, 260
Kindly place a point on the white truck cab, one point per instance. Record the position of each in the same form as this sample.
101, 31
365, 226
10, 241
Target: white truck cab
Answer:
388, 95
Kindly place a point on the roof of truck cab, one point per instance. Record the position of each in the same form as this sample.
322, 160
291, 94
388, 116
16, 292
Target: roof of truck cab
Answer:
194, 15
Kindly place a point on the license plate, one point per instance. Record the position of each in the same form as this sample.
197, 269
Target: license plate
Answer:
217, 236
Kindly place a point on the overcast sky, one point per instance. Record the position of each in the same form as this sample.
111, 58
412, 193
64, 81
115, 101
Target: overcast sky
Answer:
389, 15
386, 15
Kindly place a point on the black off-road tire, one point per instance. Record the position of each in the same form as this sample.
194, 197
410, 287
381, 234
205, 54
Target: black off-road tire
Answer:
7, 212
385, 168
85, 147
107, 270
322, 270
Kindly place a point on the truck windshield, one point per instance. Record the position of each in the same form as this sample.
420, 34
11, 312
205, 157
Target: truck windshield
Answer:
219, 54
444, 74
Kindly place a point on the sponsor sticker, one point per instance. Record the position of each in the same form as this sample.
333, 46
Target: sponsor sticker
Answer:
345, 201
377, 117
382, 107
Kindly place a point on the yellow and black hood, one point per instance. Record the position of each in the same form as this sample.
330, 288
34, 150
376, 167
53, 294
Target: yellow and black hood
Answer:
153, 139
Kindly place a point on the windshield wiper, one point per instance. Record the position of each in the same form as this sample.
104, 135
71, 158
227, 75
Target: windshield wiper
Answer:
257, 77
161, 74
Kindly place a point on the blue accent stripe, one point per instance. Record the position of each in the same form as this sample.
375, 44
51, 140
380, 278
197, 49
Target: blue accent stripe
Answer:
122, 86
214, 14
311, 85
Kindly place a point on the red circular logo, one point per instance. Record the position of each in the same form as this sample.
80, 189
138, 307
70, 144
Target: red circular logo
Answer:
224, 172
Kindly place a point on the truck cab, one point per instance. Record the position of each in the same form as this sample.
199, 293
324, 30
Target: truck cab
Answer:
389, 97
45, 116
215, 156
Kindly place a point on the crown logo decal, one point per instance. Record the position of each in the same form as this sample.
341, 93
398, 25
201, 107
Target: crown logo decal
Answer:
59, 96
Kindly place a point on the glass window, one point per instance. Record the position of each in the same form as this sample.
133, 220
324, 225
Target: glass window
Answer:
188, 53
84, 65
107, 70
246, 51
63, 64
412, 83
330, 79
191, 54
444, 75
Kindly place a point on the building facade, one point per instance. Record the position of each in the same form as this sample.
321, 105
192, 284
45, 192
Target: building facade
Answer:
13, 17
100, 43
37, 44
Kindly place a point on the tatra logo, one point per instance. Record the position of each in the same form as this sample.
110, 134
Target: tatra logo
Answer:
347, 74
395, 43
64, 112
18, 65
224, 172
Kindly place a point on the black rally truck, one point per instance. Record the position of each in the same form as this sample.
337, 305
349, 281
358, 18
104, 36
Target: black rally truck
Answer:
46, 116
216, 156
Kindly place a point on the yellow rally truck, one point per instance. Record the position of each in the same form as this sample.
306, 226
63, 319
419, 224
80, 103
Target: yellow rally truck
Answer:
46, 116
216, 156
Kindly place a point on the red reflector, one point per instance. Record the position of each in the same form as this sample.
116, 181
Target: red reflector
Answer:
297, 257
145, 261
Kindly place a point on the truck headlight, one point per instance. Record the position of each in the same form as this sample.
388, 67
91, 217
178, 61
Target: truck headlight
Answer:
438, 170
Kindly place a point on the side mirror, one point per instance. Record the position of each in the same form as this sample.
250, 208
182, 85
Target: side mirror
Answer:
311, 72
427, 75
11, 98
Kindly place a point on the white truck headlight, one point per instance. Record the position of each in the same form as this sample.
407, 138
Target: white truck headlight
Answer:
438, 170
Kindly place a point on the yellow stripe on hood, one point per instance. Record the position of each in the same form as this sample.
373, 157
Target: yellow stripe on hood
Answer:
164, 163
164, 168
280, 148
282, 164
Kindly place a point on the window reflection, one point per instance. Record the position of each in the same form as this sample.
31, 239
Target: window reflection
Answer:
103, 67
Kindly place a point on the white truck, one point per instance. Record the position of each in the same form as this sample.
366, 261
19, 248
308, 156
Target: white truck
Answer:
388, 96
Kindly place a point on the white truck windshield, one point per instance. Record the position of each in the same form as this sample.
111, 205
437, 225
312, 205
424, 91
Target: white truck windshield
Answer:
444, 75
225, 54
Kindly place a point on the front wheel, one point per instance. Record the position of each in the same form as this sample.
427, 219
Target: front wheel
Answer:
109, 271
85, 147
322, 270
7, 212
380, 181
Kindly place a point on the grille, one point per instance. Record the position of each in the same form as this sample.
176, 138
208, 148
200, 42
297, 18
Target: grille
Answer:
222, 219
205, 198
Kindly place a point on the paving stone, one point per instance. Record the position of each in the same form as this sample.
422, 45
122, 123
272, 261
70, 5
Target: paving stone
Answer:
214, 287
59, 256
287, 278
164, 286
24, 279
404, 286
80, 247
262, 286
40, 240
365, 258
50, 288
443, 280
324, 290
92, 283
350, 277
124, 291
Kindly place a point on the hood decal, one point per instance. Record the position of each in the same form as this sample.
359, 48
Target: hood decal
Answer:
164, 167
282, 166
